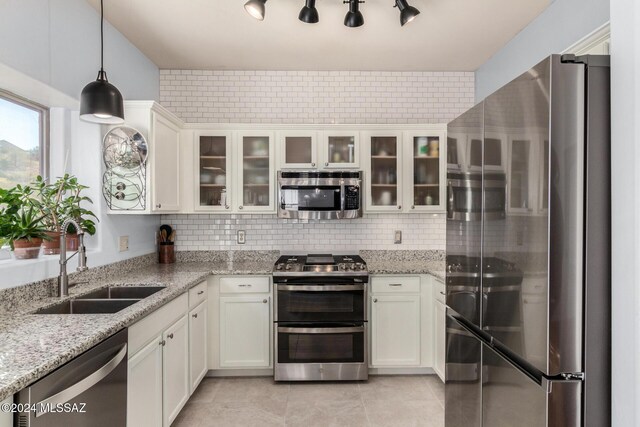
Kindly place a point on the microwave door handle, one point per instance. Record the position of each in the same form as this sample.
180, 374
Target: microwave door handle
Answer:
341, 198
338, 330
320, 288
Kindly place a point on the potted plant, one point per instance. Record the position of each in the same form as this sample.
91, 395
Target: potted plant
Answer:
20, 223
70, 207
48, 204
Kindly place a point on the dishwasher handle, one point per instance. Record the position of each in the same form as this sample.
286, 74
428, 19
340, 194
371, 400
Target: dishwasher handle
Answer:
84, 384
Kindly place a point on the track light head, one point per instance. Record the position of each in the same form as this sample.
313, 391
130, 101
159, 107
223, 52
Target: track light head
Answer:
407, 13
309, 13
255, 8
354, 17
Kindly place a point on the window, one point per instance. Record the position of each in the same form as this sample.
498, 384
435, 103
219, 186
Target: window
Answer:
24, 140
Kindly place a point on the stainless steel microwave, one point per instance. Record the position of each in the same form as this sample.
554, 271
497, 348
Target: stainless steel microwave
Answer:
319, 194
465, 192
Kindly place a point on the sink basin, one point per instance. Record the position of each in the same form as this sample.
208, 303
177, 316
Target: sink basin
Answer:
123, 292
88, 306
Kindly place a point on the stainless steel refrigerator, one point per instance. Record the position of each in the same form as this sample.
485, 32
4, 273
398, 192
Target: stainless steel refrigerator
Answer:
528, 251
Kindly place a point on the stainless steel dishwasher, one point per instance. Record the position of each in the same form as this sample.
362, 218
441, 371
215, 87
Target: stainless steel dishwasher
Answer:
88, 391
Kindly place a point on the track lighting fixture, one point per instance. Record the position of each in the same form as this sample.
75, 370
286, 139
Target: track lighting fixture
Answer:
100, 101
309, 13
255, 8
354, 17
407, 13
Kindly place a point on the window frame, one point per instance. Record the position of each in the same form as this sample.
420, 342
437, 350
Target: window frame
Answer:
45, 167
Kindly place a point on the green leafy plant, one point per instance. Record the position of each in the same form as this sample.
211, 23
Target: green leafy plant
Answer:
19, 217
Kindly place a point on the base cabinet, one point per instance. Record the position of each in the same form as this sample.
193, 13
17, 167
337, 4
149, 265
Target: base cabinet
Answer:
395, 330
197, 344
245, 325
175, 370
144, 386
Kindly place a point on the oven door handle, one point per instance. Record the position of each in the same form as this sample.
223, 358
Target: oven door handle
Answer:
344, 330
321, 288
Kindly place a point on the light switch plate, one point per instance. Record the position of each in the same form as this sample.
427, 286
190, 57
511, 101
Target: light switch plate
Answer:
123, 244
397, 237
241, 237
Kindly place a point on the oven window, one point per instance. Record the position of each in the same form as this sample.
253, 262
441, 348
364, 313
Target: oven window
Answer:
320, 306
320, 347
306, 198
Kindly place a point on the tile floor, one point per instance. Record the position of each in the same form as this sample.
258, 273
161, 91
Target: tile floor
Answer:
382, 401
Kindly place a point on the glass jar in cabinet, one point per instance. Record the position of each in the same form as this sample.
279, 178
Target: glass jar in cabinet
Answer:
256, 172
425, 167
383, 166
340, 149
213, 171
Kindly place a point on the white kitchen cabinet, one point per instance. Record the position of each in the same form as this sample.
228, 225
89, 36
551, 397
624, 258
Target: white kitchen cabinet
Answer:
439, 336
340, 149
212, 171
383, 177
245, 331
254, 188
425, 169
395, 330
197, 344
175, 370
144, 386
161, 129
297, 149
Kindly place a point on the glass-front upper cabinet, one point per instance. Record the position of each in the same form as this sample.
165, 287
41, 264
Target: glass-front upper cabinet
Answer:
383, 177
426, 170
298, 149
256, 172
212, 171
340, 149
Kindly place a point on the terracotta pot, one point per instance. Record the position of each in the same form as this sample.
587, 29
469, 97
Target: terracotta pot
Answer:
166, 253
51, 247
73, 241
26, 249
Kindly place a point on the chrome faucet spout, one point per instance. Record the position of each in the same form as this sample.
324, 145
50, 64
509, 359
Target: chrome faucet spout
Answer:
63, 278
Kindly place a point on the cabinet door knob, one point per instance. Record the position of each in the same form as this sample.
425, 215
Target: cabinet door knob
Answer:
313, 165
159, 205
442, 293
170, 336
195, 315
375, 300
162, 343
399, 207
201, 292
240, 207
264, 301
413, 207
226, 206
326, 163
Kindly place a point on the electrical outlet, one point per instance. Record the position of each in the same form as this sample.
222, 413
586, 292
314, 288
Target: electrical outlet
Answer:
397, 237
241, 237
124, 243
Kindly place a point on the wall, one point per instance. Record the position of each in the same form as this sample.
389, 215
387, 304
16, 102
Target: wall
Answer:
313, 97
57, 42
625, 132
562, 24
325, 97
49, 51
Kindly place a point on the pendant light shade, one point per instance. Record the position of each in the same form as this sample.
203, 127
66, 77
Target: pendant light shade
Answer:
255, 8
354, 17
407, 13
309, 13
100, 101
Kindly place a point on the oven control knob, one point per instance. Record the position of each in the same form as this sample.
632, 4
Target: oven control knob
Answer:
288, 267
279, 266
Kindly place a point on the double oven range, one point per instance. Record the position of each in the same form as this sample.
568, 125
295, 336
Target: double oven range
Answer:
320, 318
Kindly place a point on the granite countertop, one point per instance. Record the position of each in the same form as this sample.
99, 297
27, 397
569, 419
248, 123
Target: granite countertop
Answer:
435, 268
33, 345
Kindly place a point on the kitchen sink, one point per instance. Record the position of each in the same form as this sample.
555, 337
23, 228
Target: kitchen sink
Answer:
123, 292
88, 306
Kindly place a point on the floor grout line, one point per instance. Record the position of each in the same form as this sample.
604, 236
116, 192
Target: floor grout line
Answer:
366, 413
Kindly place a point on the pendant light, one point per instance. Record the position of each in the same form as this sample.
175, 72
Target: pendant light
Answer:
255, 8
407, 13
309, 13
354, 17
100, 101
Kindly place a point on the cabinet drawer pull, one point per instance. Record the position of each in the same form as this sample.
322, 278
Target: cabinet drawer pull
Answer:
162, 343
395, 284
264, 301
195, 315
442, 293
159, 205
375, 300
200, 292
170, 336
244, 286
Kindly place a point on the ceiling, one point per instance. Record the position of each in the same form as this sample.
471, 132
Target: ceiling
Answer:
449, 35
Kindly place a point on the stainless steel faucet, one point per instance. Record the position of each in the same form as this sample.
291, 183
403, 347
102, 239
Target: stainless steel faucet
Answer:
63, 279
